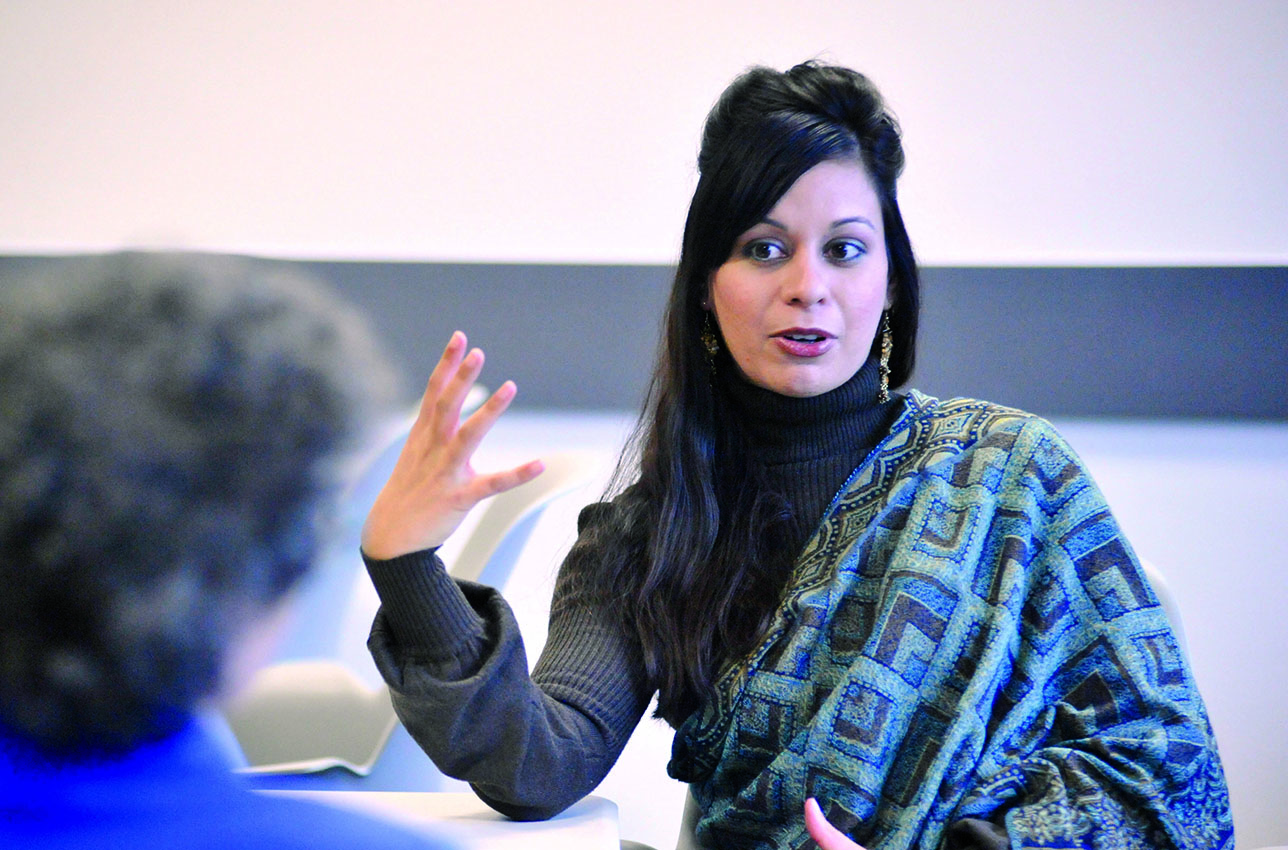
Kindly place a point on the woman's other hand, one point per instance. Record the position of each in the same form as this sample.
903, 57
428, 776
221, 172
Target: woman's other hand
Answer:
824, 834
433, 486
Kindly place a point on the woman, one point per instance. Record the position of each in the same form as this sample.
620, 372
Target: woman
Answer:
920, 613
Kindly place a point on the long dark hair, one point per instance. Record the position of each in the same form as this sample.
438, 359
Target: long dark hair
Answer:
689, 538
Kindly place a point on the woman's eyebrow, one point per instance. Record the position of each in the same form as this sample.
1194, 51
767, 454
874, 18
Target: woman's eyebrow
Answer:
854, 219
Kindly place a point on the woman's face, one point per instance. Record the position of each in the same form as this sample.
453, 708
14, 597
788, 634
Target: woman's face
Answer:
799, 299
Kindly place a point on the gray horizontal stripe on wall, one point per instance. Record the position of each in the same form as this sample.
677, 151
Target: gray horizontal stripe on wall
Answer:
1109, 342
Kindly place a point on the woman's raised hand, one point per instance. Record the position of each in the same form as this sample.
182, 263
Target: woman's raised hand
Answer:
433, 486
826, 836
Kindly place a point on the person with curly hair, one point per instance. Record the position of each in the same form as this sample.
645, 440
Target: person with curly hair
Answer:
171, 428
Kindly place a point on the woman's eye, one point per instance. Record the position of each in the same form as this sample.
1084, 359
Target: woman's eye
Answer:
763, 251
844, 250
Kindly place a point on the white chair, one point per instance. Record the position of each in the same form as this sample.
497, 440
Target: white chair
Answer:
506, 519
309, 716
689, 824
302, 719
1168, 603
325, 593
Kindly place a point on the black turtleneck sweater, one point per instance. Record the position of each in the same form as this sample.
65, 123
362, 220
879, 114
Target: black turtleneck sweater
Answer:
808, 447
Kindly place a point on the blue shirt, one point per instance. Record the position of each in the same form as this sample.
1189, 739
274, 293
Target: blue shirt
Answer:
178, 792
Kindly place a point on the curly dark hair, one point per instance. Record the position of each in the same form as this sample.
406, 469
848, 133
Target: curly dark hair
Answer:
169, 431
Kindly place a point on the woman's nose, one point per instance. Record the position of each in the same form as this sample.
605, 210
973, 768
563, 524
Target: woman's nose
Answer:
805, 281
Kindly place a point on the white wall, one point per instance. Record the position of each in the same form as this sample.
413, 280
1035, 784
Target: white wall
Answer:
1072, 131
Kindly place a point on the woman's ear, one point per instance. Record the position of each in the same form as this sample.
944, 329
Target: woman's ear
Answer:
890, 291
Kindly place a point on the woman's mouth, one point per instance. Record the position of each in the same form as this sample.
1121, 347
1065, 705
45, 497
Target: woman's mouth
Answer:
804, 342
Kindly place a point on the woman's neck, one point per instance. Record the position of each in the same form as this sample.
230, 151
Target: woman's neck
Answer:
806, 448
788, 430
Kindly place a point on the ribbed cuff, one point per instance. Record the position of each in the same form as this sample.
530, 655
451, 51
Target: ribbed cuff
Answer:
423, 605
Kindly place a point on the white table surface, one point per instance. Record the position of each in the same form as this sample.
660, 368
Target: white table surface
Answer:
466, 821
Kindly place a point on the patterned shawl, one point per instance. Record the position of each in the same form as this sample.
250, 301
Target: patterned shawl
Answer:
966, 636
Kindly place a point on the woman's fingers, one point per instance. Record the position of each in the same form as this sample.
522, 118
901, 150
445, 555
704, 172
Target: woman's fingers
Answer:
449, 384
498, 482
433, 484
472, 432
824, 834
447, 406
444, 369
475, 428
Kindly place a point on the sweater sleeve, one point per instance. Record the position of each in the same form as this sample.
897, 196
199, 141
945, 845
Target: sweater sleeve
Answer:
454, 660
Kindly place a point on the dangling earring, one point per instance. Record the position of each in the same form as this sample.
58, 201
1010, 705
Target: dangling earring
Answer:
709, 341
887, 345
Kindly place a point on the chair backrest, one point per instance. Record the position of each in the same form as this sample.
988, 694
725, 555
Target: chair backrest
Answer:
308, 716
688, 839
511, 513
488, 553
1168, 603
324, 595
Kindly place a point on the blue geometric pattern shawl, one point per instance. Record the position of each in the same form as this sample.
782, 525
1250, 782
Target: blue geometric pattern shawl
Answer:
967, 635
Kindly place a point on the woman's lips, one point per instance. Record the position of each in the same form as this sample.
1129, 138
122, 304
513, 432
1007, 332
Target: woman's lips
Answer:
804, 342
